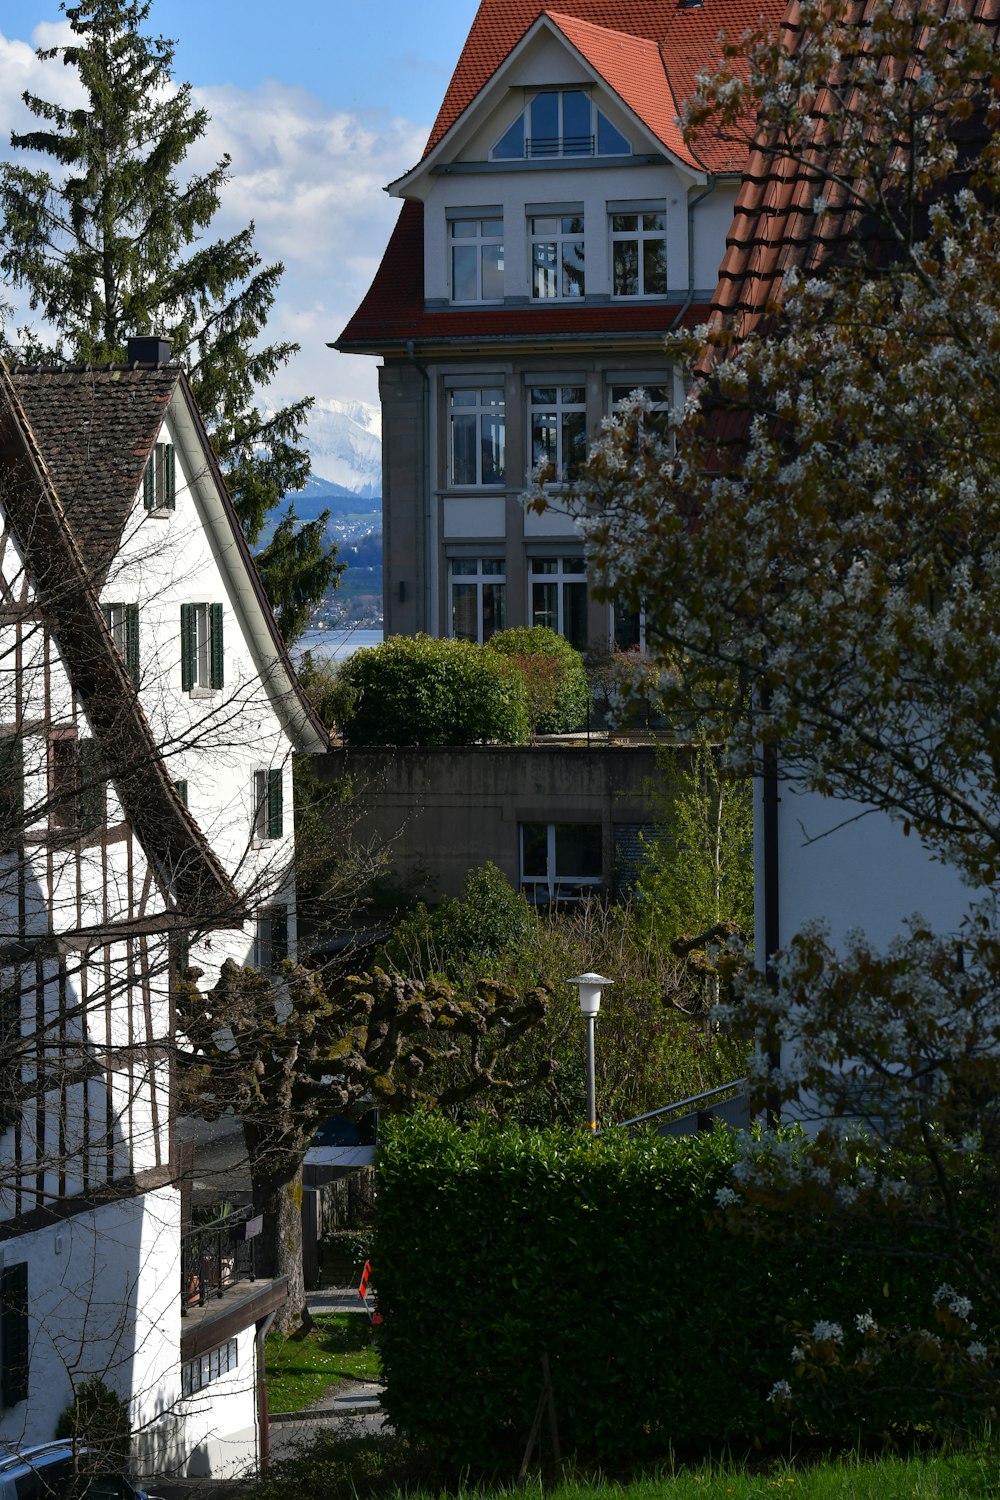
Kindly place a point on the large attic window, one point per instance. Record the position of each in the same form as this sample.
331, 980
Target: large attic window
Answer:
560, 122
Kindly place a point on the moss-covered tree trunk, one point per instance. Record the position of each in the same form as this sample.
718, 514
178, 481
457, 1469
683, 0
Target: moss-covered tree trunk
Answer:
277, 1195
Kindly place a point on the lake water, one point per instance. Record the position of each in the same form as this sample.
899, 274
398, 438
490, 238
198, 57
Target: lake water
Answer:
335, 644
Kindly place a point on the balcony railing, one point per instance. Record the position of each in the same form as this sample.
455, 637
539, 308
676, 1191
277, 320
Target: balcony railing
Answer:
217, 1255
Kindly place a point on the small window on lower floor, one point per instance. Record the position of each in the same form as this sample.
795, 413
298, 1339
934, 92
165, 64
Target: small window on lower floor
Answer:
197, 1373
561, 862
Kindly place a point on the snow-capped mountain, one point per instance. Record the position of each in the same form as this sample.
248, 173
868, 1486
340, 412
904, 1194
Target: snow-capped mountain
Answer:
344, 439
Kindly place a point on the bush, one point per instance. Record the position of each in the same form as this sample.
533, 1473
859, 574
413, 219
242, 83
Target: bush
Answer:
464, 933
416, 690
99, 1418
664, 1329
558, 697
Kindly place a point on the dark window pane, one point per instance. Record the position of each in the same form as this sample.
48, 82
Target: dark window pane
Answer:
543, 437
492, 272
574, 565
463, 273
622, 223
572, 268
510, 146
626, 268
463, 612
610, 142
463, 448
545, 124
654, 268
578, 849
493, 449
577, 139
654, 221
494, 608
574, 442
575, 614
544, 604
627, 634
535, 848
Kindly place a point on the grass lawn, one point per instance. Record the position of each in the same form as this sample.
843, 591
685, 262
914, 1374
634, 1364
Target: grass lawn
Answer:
389, 1468
300, 1369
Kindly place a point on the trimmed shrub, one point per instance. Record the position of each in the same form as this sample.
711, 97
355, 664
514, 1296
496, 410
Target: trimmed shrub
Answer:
555, 679
99, 1418
663, 1328
417, 690
488, 919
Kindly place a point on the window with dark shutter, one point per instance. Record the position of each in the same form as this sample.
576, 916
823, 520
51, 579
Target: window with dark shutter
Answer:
169, 477
149, 485
159, 480
215, 632
123, 622
189, 647
181, 788
93, 786
14, 1333
275, 805
11, 791
64, 779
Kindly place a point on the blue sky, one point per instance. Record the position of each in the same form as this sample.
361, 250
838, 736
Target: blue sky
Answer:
318, 113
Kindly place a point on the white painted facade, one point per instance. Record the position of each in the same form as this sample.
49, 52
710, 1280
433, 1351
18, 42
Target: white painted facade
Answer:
87, 967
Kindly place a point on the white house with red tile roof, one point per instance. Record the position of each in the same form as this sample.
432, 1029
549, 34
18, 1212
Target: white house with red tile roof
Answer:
555, 229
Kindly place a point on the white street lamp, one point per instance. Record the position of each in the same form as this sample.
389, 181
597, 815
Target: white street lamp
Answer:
590, 986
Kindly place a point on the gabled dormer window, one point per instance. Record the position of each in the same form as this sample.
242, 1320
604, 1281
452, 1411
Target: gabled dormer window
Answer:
560, 122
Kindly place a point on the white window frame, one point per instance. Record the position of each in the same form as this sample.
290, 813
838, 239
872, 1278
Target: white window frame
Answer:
481, 241
473, 574
561, 577
639, 237
480, 410
205, 1368
554, 881
569, 399
565, 289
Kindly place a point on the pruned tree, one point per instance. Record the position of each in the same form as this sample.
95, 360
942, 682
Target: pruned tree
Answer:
286, 1053
111, 242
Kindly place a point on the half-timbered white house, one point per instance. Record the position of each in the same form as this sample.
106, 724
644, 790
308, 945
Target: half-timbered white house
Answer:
148, 717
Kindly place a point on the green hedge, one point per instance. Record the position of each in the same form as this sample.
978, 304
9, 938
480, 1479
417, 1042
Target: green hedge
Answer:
566, 705
417, 690
663, 1328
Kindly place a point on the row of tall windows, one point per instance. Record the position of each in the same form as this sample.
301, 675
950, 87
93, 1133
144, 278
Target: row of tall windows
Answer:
557, 245
557, 596
557, 427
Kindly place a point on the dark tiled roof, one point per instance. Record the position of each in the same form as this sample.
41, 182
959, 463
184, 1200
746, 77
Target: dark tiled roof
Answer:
774, 227
393, 309
95, 429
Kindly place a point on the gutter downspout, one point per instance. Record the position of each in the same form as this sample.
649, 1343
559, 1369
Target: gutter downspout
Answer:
692, 205
411, 356
263, 1415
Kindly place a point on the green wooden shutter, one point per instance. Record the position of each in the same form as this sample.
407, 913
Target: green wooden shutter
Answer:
181, 788
170, 475
93, 786
11, 791
275, 805
149, 483
189, 647
14, 1333
132, 641
279, 934
215, 632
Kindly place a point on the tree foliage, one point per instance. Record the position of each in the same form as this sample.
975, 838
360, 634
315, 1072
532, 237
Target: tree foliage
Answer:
110, 242
417, 690
554, 676
828, 589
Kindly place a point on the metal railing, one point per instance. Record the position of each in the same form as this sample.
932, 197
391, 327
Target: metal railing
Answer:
683, 1104
217, 1255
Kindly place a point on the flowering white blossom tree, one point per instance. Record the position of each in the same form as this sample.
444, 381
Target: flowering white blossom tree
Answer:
815, 543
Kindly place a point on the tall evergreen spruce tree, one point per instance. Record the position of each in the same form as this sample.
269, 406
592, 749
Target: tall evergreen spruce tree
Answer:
111, 245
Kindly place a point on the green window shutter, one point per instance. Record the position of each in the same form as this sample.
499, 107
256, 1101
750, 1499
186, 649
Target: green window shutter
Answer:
189, 647
275, 805
11, 791
149, 483
279, 934
181, 788
93, 786
170, 475
132, 641
215, 632
14, 1333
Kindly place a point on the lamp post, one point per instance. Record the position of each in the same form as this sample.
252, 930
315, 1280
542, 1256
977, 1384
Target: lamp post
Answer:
590, 986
